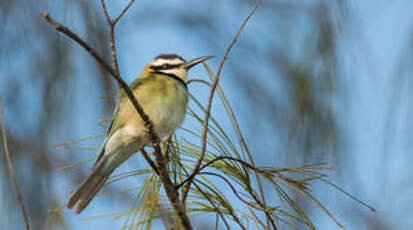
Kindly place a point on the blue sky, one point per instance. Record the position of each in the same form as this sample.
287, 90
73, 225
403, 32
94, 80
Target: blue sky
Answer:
377, 147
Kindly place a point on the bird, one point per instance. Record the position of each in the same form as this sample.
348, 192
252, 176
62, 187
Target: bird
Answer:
162, 92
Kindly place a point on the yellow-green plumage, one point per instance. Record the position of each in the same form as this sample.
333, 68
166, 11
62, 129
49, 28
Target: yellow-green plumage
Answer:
162, 98
162, 93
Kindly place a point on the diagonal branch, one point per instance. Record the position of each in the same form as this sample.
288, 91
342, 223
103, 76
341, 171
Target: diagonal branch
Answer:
211, 97
161, 161
11, 171
107, 67
79, 41
123, 12
149, 160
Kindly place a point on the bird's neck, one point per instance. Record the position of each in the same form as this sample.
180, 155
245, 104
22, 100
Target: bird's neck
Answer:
172, 76
180, 73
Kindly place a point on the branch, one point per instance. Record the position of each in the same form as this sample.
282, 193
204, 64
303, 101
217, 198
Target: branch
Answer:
200, 81
190, 177
235, 218
260, 207
219, 212
234, 190
170, 190
244, 144
211, 97
123, 12
80, 41
111, 24
172, 194
107, 67
149, 160
11, 171
105, 12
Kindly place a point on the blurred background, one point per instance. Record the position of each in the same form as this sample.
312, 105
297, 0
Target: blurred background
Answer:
310, 81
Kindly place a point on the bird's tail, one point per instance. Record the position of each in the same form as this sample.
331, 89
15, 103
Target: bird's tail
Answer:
90, 186
103, 167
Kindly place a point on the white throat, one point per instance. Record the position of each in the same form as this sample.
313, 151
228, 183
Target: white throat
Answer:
179, 72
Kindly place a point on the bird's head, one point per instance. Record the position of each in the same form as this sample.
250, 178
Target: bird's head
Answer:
174, 64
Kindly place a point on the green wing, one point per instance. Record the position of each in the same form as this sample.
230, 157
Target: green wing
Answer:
112, 123
121, 98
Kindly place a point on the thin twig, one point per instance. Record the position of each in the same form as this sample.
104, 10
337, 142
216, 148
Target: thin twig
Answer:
243, 142
101, 123
200, 81
260, 206
219, 212
123, 12
112, 39
211, 97
234, 190
256, 219
169, 187
111, 24
149, 160
77, 141
190, 177
11, 171
105, 12
248, 165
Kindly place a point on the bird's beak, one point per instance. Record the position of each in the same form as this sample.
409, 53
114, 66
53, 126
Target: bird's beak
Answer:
189, 64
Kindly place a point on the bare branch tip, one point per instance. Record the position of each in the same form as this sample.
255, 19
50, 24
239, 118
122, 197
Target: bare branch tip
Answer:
45, 14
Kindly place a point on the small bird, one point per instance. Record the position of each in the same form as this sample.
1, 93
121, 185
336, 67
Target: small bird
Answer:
162, 92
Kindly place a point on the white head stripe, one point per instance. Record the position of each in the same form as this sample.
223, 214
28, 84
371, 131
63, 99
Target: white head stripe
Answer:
161, 61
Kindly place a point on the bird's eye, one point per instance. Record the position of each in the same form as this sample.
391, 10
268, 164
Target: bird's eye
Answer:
165, 66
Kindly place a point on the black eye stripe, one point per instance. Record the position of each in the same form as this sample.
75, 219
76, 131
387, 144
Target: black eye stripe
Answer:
165, 66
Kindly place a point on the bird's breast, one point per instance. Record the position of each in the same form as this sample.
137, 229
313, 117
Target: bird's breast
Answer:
164, 100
